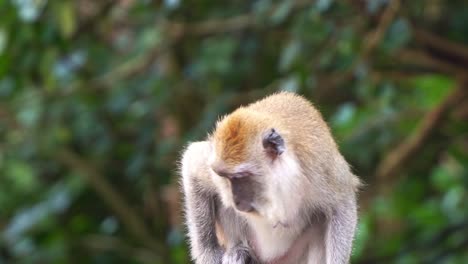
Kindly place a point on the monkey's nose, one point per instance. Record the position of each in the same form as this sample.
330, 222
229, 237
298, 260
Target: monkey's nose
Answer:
243, 206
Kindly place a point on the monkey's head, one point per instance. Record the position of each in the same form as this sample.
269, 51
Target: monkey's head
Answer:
254, 166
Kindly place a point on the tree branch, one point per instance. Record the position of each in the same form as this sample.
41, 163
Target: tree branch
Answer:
175, 33
115, 245
371, 42
440, 44
437, 239
104, 9
403, 153
122, 209
422, 59
236, 23
8, 118
373, 39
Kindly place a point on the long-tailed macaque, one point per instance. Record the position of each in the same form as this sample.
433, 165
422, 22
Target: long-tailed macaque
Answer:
269, 186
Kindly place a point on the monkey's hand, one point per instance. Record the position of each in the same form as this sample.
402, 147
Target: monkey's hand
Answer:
239, 255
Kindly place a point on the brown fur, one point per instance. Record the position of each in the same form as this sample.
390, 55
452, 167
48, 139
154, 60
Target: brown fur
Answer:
231, 139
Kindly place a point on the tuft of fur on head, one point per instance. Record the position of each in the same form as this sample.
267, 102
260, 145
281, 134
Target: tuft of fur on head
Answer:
235, 135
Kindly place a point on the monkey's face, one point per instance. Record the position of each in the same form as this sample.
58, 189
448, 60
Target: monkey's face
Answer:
261, 183
253, 169
239, 185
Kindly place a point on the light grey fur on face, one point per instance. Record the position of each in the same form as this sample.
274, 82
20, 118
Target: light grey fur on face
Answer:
324, 239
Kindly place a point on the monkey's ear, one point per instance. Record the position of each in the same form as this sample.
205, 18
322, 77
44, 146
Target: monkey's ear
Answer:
273, 143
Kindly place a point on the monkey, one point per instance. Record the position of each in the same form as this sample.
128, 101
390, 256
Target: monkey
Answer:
269, 186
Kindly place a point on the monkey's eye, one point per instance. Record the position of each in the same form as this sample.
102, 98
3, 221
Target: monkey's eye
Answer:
230, 176
223, 174
243, 174
239, 175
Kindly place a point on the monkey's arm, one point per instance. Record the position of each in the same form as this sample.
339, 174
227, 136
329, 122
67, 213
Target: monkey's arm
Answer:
201, 213
340, 232
199, 201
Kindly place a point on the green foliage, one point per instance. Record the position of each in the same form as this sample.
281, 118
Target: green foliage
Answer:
98, 99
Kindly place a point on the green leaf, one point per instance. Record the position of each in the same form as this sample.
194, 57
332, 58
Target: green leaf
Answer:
324, 5
442, 179
289, 54
282, 12
363, 234
3, 40
66, 17
21, 175
431, 89
398, 35
46, 68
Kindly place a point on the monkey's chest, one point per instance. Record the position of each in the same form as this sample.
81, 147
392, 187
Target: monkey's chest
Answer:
277, 247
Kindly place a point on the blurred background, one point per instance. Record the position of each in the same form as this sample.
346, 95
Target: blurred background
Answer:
98, 98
